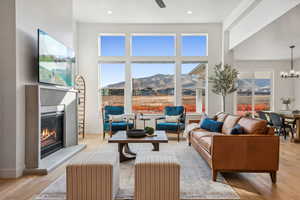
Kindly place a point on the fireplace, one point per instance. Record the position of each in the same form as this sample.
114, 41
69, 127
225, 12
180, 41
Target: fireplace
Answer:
52, 130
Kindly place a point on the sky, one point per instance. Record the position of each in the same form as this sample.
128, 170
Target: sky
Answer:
146, 46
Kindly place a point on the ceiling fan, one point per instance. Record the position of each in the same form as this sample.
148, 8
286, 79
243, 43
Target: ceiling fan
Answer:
161, 3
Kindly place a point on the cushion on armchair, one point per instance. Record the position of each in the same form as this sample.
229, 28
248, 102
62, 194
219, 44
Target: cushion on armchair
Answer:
116, 118
167, 126
116, 126
113, 110
172, 118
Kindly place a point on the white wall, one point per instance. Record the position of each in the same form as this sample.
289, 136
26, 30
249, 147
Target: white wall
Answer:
263, 14
54, 17
88, 57
297, 87
7, 88
268, 50
273, 41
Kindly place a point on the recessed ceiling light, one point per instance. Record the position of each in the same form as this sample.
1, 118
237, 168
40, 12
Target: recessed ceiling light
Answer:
189, 12
109, 12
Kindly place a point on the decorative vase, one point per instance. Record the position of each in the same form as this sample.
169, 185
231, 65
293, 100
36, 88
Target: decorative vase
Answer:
287, 106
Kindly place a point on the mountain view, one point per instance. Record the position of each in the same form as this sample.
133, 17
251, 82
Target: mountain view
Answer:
160, 83
262, 87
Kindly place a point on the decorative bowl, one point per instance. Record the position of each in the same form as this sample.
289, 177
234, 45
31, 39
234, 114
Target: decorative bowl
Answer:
136, 133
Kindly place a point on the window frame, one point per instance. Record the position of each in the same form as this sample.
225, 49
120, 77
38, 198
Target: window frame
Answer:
128, 59
252, 77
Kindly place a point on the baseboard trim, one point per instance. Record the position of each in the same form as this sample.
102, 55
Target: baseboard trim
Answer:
11, 173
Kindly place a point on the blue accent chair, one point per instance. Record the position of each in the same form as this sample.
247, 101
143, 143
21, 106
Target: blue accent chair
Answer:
112, 127
172, 127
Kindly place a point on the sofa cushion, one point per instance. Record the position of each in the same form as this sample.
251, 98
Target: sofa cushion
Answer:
205, 142
203, 133
229, 123
220, 117
253, 126
203, 117
237, 130
211, 125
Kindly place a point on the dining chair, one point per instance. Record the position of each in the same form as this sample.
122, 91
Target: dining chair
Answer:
264, 116
279, 124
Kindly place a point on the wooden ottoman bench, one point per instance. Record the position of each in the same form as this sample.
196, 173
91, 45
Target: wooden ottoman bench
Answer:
94, 177
157, 177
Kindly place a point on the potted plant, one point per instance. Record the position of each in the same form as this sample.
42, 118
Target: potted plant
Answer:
224, 81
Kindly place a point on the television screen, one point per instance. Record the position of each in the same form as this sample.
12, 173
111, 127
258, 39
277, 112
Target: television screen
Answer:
55, 61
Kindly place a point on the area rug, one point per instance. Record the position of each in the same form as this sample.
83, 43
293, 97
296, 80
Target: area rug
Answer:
195, 176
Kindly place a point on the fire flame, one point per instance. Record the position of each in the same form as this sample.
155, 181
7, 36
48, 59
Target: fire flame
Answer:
46, 133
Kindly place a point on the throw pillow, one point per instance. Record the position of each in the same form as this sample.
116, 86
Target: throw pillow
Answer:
116, 118
211, 125
172, 118
203, 117
237, 130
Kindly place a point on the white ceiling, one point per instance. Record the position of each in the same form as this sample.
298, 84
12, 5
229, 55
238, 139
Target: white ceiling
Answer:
147, 11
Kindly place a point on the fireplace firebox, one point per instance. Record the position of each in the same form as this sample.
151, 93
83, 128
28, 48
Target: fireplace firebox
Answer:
52, 131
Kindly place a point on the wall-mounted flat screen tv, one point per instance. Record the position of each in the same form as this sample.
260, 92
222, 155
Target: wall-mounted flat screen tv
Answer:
56, 61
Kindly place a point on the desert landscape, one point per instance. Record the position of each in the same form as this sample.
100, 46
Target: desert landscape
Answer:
150, 104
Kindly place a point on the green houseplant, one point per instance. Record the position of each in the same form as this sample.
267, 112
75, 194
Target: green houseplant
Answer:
224, 81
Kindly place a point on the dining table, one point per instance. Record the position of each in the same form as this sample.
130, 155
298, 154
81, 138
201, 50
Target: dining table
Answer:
293, 116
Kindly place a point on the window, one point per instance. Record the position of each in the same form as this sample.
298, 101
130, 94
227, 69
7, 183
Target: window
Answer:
254, 92
153, 45
142, 71
112, 77
112, 45
153, 87
193, 86
194, 45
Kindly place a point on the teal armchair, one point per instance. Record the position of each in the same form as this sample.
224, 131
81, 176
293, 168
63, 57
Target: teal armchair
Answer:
112, 127
172, 127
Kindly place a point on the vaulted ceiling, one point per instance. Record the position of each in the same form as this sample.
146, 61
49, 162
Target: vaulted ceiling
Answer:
147, 11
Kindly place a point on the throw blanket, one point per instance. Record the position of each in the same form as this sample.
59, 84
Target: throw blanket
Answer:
189, 128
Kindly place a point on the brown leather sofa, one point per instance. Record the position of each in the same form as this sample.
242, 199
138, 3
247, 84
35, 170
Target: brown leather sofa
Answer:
255, 151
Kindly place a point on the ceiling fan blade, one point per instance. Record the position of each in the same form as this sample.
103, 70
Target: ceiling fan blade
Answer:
160, 3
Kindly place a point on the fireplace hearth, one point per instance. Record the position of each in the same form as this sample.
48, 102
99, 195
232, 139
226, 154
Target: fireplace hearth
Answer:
52, 131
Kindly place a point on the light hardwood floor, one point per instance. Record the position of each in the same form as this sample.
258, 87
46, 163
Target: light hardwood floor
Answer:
248, 186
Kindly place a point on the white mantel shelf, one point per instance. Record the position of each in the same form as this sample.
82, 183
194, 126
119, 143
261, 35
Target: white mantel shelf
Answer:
53, 87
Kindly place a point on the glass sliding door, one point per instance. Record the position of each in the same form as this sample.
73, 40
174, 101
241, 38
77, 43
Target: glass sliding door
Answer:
262, 93
193, 77
254, 93
244, 94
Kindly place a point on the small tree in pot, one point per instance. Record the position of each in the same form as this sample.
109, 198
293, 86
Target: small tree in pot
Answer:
224, 81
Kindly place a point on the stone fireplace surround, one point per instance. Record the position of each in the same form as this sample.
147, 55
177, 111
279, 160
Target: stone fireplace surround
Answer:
39, 98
